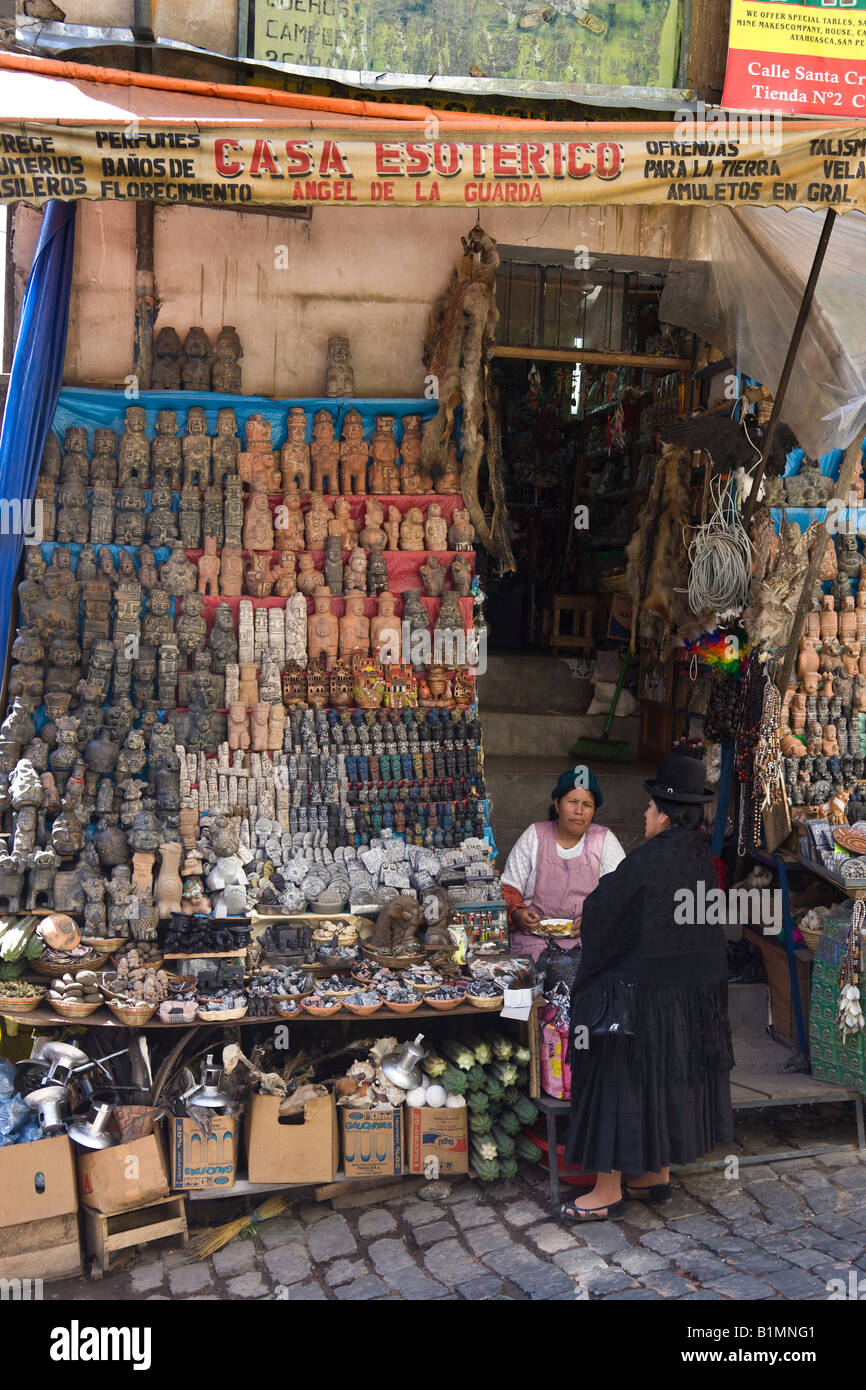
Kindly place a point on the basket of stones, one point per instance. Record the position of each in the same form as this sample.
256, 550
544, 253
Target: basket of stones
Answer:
445, 998
363, 1001
18, 997
422, 979
321, 1005
485, 994
75, 996
336, 986
271, 992
401, 999
224, 1005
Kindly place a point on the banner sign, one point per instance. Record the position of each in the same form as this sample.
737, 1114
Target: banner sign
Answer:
729, 161
614, 42
797, 57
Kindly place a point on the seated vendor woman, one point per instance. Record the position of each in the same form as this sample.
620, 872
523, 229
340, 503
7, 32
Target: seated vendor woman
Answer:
557, 863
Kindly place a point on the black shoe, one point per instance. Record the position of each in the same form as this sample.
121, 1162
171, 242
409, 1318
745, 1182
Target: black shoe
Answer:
573, 1214
658, 1193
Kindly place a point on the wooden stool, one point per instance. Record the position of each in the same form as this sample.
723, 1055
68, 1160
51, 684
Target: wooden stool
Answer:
582, 608
105, 1236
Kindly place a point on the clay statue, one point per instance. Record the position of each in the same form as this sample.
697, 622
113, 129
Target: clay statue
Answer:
355, 572
461, 532
433, 575
342, 525
392, 527
225, 447
309, 578
316, 522
169, 889
283, 574
412, 530
178, 575
258, 526
258, 576
197, 358
340, 379
377, 571
189, 518
222, 640
209, 568
354, 453
325, 455
450, 479
166, 361
196, 446
384, 473
323, 630
191, 626
238, 726
133, 454
354, 630
166, 452
372, 533
226, 372
295, 453
461, 576
385, 633
289, 523
259, 727
161, 520
413, 478
435, 528
257, 464
231, 572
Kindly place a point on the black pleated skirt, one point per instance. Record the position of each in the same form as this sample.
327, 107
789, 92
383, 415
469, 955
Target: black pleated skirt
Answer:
659, 1096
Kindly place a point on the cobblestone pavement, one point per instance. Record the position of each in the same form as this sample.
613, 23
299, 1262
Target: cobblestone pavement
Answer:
777, 1231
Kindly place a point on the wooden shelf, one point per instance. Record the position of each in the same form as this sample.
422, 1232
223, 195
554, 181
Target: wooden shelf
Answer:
101, 1018
204, 955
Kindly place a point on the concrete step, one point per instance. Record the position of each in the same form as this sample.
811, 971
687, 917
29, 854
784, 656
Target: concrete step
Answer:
518, 679
546, 730
748, 1008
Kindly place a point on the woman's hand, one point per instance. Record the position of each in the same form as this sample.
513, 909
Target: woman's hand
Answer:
525, 919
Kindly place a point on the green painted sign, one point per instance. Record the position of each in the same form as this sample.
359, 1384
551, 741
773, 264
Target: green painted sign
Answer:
616, 43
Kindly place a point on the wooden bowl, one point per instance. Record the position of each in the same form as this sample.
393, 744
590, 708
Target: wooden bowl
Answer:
402, 1008
316, 1012
362, 1010
443, 1005
20, 1006
490, 1001
74, 1010
133, 1016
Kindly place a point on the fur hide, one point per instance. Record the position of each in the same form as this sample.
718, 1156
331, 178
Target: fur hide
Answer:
773, 600
656, 553
457, 350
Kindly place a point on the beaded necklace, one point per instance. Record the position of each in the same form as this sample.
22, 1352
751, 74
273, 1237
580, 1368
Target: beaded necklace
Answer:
849, 1012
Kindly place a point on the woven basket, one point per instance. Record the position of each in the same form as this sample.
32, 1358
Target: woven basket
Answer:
20, 1006
74, 1010
105, 944
393, 962
221, 1015
134, 1016
54, 968
811, 935
490, 1002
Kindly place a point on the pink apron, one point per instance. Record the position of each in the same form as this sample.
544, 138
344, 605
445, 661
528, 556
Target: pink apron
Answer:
561, 885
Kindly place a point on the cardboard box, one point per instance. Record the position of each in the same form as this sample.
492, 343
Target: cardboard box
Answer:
372, 1142
37, 1181
439, 1134
40, 1250
129, 1175
292, 1150
204, 1159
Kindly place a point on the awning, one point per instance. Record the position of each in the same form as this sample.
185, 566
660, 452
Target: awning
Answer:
68, 131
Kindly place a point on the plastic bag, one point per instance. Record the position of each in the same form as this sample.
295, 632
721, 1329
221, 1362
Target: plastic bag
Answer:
18, 1123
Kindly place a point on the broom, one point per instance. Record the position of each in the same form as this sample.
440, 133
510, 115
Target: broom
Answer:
201, 1247
607, 749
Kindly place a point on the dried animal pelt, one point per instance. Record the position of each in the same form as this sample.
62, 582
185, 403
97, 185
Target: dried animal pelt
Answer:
657, 562
773, 600
242, 1076
457, 350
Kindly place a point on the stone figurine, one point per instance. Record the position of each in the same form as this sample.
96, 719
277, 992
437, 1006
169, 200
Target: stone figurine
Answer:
197, 359
340, 378
226, 371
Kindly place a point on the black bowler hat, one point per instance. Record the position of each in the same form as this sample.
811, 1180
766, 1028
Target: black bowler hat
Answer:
680, 779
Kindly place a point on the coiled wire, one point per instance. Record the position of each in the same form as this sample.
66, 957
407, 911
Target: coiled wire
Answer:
720, 557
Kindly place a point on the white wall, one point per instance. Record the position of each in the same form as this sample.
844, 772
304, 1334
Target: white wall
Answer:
369, 273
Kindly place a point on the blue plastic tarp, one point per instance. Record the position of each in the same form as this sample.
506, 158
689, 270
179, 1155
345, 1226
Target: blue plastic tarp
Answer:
34, 382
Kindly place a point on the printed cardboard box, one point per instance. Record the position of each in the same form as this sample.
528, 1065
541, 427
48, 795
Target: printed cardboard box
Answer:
302, 1150
372, 1142
129, 1175
204, 1158
440, 1135
37, 1180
